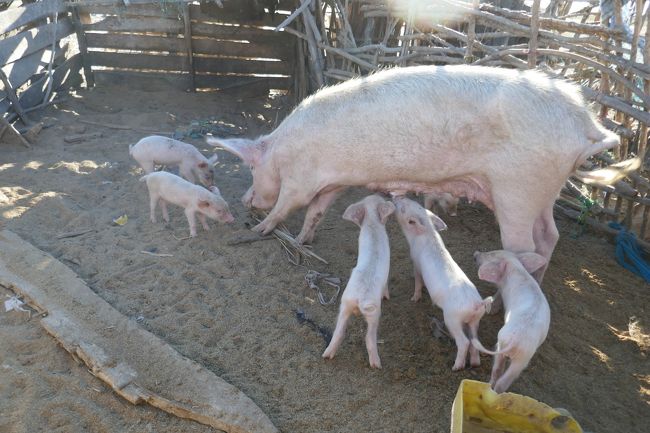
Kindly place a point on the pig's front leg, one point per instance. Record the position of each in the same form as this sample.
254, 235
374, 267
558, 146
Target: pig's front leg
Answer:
190, 214
288, 200
247, 198
315, 213
163, 206
153, 202
419, 283
187, 173
204, 223
385, 292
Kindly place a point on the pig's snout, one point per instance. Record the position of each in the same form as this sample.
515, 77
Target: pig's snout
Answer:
228, 219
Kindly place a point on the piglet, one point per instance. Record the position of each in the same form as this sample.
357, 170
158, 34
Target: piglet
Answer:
369, 280
169, 188
167, 151
527, 314
448, 286
441, 202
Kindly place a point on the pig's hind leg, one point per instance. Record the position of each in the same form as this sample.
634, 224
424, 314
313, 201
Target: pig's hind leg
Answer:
455, 328
372, 313
163, 206
514, 370
419, 283
345, 312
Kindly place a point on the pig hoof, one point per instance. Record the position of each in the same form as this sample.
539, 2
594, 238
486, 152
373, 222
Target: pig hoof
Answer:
457, 367
416, 298
375, 364
475, 363
328, 354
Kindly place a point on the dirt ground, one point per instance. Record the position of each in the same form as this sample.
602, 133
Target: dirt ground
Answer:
239, 309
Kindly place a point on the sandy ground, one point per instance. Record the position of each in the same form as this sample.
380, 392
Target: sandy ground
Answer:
233, 308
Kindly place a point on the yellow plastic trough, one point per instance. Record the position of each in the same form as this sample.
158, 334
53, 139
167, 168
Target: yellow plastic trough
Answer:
478, 409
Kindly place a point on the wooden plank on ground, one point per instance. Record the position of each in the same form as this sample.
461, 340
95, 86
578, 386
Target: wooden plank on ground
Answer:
137, 61
32, 40
135, 42
14, 18
234, 81
222, 65
134, 363
141, 25
264, 47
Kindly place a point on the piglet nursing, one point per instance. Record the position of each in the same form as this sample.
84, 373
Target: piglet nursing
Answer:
191, 163
448, 286
527, 314
369, 279
441, 202
168, 188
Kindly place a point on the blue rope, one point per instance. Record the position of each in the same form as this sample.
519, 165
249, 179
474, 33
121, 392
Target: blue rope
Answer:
628, 253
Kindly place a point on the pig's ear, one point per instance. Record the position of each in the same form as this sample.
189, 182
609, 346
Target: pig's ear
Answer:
385, 210
492, 270
203, 204
214, 190
531, 261
438, 223
355, 213
213, 159
247, 150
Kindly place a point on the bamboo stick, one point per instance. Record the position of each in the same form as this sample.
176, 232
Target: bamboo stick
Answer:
534, 29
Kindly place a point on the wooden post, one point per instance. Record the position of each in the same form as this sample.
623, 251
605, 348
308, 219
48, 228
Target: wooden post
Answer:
188, 45
11, 94
471, 34
534, 29
83, 47
643, 139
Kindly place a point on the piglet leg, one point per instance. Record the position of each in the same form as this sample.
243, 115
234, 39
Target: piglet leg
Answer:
497, 368
163, 206
192, 221
513, 372
204, 223
455, 328
153, 202
419, 283
339, 332
372, 313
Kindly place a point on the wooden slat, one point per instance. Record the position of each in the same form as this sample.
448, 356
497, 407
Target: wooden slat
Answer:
137, 61
207, 64
67, 74
12, 19
234, 12
239, 33
263, 48
135, 42
231, 81
33, 40
154, 25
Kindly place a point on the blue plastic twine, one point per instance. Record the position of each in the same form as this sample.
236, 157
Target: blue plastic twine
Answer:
628, 253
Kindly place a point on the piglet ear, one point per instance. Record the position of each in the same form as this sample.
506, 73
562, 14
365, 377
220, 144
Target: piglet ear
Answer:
492, 271
247, 150
385, 210
531, 261
438, 223
203, 204
213, 159
355, 213
214, 190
